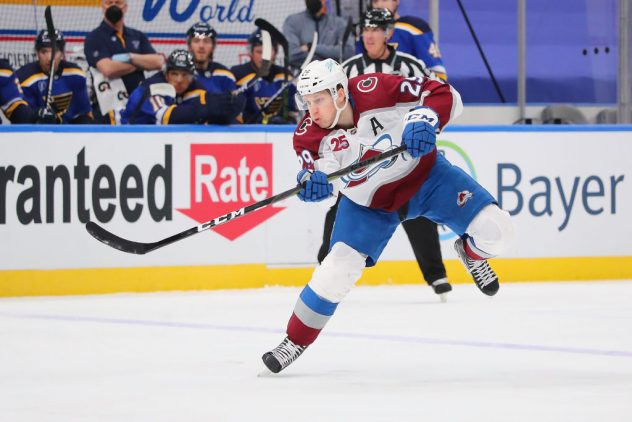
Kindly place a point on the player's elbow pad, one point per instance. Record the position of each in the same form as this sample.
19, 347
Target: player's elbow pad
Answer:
23, 114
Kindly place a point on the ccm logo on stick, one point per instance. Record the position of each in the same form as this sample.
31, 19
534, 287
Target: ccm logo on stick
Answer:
225, 177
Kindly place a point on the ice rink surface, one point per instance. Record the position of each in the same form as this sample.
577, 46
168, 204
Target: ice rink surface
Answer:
535, 352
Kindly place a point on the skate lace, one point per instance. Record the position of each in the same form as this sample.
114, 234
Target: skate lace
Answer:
287, 352
482, 272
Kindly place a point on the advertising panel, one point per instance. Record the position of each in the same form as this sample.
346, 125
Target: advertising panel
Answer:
569, 195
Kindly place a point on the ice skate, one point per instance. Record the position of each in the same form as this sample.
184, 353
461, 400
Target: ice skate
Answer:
483, 275
281, 356
441, 287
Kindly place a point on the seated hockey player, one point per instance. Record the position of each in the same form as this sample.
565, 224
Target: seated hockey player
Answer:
282, 109
69, 102
12, 102
352, 119
176, 97
201, 40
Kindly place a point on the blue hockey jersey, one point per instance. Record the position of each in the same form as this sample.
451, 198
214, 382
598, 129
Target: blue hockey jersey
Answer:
262, 91
413, 36
11, 96
145, 108
216, 78
70, 91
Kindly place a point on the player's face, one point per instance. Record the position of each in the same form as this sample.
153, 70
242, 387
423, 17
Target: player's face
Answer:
257, 55
180, 79
43, 57
374, 41
201, 48
321, 108
385, 4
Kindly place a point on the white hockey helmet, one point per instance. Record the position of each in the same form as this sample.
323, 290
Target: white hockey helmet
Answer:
322, 75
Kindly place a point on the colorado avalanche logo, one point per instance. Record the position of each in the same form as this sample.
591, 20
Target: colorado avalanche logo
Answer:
382, 144
463, 197
302, 130
368, 84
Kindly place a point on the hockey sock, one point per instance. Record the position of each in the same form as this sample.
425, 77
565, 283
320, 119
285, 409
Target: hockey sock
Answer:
310, 315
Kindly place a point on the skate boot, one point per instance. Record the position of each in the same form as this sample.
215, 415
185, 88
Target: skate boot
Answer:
281, 356
441, 287
483, 275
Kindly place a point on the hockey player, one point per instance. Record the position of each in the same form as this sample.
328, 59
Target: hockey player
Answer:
351, 119
176, 97
70, 102
413, 35
379, 56
12, 102
201, 39
260, 93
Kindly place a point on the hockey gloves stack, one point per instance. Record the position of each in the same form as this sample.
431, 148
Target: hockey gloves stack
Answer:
315, 186
419, 136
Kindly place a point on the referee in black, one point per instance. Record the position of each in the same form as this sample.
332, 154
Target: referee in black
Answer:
379, 56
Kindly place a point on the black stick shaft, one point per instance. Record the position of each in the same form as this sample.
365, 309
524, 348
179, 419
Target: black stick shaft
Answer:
141, 248
50, 27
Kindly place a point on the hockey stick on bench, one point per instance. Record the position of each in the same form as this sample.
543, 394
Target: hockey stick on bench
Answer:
266, 63
141, 248
286, 84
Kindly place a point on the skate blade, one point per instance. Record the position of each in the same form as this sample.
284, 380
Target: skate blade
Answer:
443, 297
265, 372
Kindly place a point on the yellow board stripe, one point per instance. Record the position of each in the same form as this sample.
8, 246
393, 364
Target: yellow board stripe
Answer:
82, 3
151, 279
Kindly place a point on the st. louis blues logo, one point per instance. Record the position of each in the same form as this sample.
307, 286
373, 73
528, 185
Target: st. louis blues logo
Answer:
463, 197
382, 144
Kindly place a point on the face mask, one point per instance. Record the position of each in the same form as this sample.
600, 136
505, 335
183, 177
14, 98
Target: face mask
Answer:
113, 14
313, 6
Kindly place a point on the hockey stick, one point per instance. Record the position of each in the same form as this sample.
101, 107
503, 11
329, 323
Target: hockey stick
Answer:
286, 84
345, 37
279, 37
264, 69
50, 27
141, 248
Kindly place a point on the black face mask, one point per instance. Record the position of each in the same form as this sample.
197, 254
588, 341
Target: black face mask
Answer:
313, 6
114, 14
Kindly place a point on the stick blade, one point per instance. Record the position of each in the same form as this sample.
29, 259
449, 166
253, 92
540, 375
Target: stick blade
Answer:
116, 242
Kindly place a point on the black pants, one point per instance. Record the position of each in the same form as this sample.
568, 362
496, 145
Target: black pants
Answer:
422, 234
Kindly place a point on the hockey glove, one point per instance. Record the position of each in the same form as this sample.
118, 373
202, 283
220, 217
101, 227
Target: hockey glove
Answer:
315, 186
419, 136
47, 116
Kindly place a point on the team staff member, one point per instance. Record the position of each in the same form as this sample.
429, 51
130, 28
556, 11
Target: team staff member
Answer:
202, 39
70, 102
176, 97
260, 93
118, 51
413, 35
12, 102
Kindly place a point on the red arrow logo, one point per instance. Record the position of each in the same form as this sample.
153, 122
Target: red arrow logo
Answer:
227, 177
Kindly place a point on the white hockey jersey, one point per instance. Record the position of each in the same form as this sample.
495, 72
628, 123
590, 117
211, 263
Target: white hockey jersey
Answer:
379, 104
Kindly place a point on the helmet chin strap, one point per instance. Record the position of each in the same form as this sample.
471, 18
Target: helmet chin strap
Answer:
334, 94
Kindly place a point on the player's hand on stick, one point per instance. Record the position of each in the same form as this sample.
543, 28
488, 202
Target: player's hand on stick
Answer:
419, 134
315, 186
47, 116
